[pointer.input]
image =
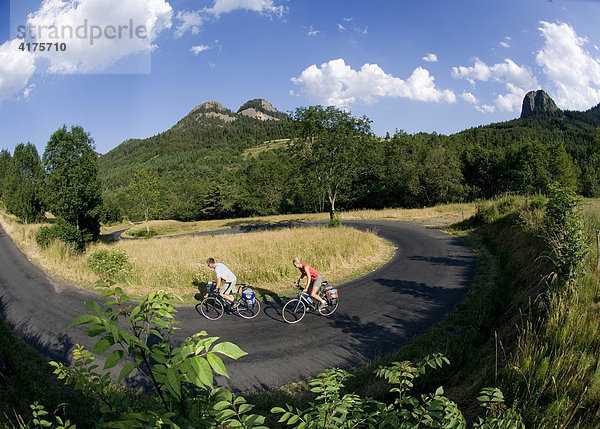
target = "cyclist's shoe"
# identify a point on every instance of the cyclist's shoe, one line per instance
(322, 305)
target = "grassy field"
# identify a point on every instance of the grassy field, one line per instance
(266, 146)
(261, 259)
(430, 216)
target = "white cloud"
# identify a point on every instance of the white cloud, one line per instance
(485, 108)
(505, 43)
(348, 19)
(16, 67)
(191, 21)
(265, 7)
(430, 58)
(364, 31)
(97, 33)
(469, 98)
(572, 71)
(27, 91)
(312, 32)
(517, 80)
(199, 48)
(336, 83)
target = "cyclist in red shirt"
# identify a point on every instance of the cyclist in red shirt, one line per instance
(313, 281)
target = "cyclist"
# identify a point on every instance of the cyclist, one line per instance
(225, 276)
(313, 281)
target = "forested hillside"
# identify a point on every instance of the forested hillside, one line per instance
(203, 171)
(193, 159)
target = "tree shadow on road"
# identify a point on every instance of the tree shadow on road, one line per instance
(59, 348)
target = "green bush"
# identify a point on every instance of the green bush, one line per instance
(110, 265)
(61, 230)
(507, 204)
(144, 234)
(564, 234)
(486, 213)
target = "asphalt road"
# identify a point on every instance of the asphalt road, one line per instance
(428, 275)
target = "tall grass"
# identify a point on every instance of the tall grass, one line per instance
(555, 371)
(261, 259)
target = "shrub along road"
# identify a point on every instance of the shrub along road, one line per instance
(429, 273)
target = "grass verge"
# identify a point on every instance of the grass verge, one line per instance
(27, 377)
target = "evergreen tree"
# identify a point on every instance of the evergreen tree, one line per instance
(73, 188)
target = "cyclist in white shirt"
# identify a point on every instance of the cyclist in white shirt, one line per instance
(226, 280)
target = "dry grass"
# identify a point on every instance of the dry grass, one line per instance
(261, 259)
(438, 216)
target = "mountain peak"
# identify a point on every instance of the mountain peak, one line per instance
(209, 106)
(536, 102)
(213, 109)
(259, 108)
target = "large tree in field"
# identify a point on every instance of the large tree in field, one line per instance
(330, 142)
(24, 184)
(72, 186)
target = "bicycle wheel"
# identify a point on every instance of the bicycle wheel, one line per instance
(332, 305)
(293, 311)
(248, 312)
(211, 308)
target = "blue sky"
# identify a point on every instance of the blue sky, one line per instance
(412, 65)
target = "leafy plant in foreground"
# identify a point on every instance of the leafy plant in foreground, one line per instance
(331, 409)
(182, 377)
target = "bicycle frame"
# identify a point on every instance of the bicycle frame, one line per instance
(239, 305)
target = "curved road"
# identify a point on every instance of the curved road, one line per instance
(429, 273)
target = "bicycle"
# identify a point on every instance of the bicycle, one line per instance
(295, 309)
(244, 305)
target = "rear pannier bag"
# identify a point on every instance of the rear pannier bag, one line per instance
(331, 292)
(249, 297)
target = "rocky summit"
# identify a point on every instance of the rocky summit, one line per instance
(536, 102)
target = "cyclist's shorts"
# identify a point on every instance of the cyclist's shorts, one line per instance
(316, 283)
(227, 288)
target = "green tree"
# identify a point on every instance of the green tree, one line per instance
(441, 178)
(329, 141)
(73, 188)
(24, 184)
(267, 178)
(5, 165)
(143, 190)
